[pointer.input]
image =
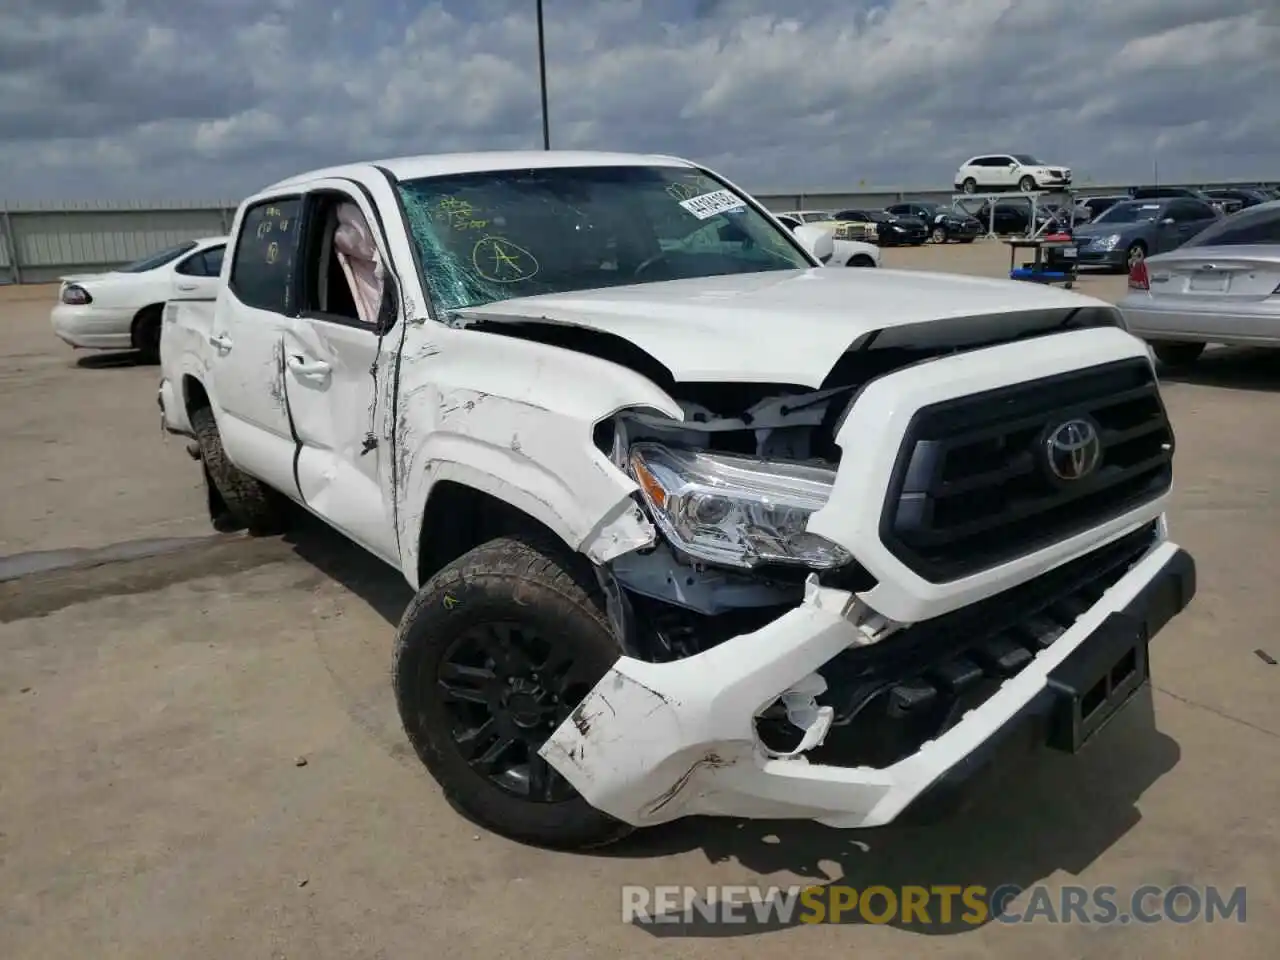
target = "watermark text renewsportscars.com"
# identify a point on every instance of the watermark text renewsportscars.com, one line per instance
(938, 904)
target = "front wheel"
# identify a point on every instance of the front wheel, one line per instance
(939, 235)
(860, 260)
(1027, 184)
(492, 655)
(970, 185)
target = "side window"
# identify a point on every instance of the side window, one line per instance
(341, 264)
(1184, 211)
(206, 263)
(192, 266)
(1202, 211)
(213, 261)
(263, 263)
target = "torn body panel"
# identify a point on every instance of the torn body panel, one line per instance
(844, 705)
(654, 742)
(515, 420)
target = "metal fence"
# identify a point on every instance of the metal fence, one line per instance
(39, 243)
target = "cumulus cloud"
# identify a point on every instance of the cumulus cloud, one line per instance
(155, 99)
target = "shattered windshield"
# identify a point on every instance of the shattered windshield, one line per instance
(484, 237)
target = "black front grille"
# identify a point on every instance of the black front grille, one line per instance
(912, 687)
(973, 486)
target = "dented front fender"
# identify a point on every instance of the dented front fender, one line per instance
(514, 419)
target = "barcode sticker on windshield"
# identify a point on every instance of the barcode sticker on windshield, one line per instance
(709, 204)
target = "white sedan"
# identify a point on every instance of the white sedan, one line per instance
(121, 309)
(846, 253)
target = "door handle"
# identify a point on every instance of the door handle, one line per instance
(315, 368)
(220, 340)
(186, 286)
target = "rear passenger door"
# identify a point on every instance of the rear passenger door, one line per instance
(246, 342)
(196, 276)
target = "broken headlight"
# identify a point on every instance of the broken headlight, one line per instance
(733, 510)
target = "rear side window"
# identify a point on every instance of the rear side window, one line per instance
(1250, 226)
(262, 267)
(1185, 211)
(206, 263)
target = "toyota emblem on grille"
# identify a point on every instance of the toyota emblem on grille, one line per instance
(1073, 449)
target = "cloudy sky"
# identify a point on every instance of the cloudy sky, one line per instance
(209, 99)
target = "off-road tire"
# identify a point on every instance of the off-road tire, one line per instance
(251, 503)
(145, 333)
(525, 579)
(1178, 355)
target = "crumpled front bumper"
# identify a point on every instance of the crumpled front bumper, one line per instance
(657, 741)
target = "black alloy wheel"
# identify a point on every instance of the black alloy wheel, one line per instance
(506, 689)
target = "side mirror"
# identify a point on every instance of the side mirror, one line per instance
(819, 241)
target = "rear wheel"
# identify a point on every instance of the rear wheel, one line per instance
(250, 503)
(970, 185)
(146, 333)
(492, 655)
(939, 235)
(1178, 354)
(860, 260)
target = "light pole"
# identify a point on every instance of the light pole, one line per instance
(542, 78)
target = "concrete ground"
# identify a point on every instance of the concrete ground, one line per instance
(199, 754)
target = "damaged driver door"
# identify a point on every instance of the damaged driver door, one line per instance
(337, 359)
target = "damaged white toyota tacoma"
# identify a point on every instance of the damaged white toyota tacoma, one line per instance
(697, 525)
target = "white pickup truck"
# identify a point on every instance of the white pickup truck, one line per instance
(696, 524)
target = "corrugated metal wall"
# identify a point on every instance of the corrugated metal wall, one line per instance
(51, 241)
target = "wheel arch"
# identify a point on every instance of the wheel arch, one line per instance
(459, 516)
(151, 309)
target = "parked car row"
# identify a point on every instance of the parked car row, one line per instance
(909, 223)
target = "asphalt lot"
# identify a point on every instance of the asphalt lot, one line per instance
(155, 714)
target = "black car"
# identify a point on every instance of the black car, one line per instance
(1013, 216)
(1247, 196)
(944, 222)
(891, 231)
(1184, 193)
(1093, 207)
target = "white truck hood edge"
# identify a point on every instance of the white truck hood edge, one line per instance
(777, 326)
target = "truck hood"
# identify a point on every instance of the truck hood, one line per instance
(780, 326)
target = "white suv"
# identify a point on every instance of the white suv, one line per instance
(1005, 171)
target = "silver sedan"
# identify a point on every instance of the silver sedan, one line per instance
(1221, 286)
